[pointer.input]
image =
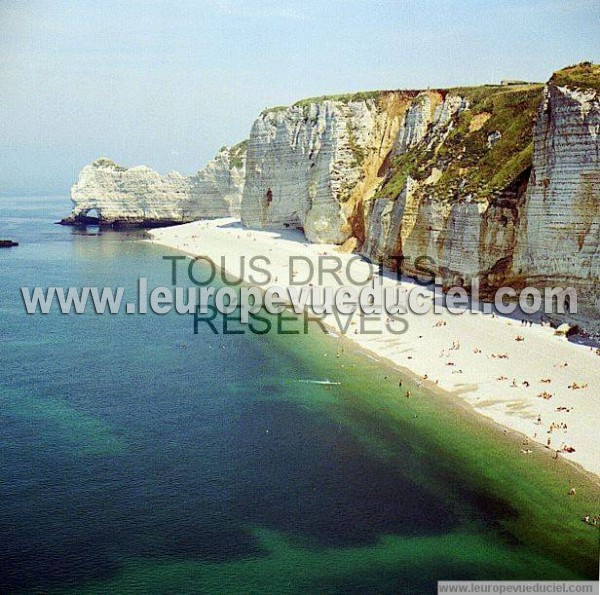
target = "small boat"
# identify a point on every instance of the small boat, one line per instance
(327, 382)
(8, 243)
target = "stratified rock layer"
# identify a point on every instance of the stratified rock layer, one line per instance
(558, 240)
(481, 195)
(114, 195)
(309, 164)
(499, 183)
(451, 192)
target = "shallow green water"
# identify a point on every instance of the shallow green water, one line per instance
(137, 457)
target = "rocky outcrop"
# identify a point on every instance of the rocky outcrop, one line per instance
(558, 239)
(111, 195)
(507, 189)
(309, 165)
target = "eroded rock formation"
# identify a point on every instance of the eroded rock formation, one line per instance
(309, 165)
(507, 189)
(496, 182)
(112, 195)
(559, 234)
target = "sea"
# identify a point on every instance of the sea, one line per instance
(139, 457)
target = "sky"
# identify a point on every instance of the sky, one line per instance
(167, 83)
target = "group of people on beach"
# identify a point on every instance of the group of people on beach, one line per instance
(555, 426)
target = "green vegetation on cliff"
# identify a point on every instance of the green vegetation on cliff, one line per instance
(344, 98)
(237, 154)
(108, 163)
(580, 76)
(483, 149)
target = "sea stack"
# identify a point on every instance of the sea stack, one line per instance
(110, 195)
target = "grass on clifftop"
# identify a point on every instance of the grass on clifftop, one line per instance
(108, 163)
(580, 76)
(344, 98)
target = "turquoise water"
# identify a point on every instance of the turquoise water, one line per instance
(138, 457)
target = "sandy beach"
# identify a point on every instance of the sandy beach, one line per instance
(523, 377)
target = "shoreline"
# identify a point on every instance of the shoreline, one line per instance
(453, 401)
(473, 374)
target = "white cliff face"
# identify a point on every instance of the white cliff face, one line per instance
(139, 195)
(383, 240)
(559, 236)
(428, 115)
(305, 163)
(459, 250)
(415, 124)
(461, 230)
(310, 166)
(131, 195)
(414, 226)
(541, 228)
(223, 179)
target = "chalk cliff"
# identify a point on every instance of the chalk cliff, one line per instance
(392, 169)
(558, 241)
(451, 191)
(507, 190)
(495, 182)
(116, 195)
(309, 165)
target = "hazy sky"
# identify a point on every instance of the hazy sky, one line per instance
(166, 83)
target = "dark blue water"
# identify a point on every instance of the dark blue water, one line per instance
(138, 457)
